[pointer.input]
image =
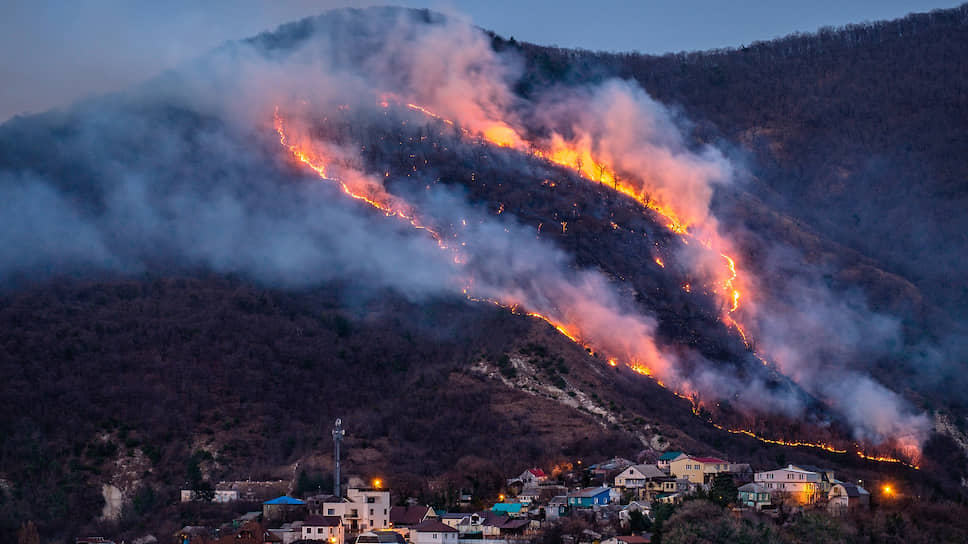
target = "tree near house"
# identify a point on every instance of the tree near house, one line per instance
(723, 491)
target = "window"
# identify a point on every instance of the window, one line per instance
(371, 511)
(329, 511)
(320, 530)
(371, 500)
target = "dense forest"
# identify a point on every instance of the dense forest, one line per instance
(151, 367)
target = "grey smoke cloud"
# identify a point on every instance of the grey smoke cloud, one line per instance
(187, 169)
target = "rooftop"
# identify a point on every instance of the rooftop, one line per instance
(285, 499)
(432, 526)
(323, 521)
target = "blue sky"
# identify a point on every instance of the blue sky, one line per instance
(57, 51)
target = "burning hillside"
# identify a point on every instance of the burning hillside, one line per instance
(566, 313)
(589, 207)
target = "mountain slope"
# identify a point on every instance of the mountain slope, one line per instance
(225, 259)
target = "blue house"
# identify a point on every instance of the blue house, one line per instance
(512, 509)
(588, 497)
(284, 508)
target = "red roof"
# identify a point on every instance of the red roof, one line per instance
(538, 472)
(432, 526)
(713, 460)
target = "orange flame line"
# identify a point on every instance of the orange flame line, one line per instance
(318, 165)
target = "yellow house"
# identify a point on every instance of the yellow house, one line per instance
(697, 470)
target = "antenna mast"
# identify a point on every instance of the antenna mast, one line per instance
(338, 433)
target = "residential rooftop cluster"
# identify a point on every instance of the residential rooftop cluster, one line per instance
(611, 495)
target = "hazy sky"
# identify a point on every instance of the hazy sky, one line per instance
(57, 51)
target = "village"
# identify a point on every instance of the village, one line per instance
(617, 499)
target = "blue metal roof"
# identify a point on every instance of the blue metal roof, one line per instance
(669, 455)
(509, 507)
(285, 499)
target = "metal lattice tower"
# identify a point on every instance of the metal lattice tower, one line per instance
(338, 434)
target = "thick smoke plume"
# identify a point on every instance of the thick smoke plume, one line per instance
(188, 169)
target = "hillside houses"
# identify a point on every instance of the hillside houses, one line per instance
(623, 493)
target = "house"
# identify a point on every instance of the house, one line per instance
(530, 494)
(801, 486)
(402, 518)
(637, 476)
(557, 507)
(634, 506)
(754, 495)
(363, 509)
(669, 498)
(827, 479)
(432, 531)
(326, 528)
(610, 466)
(698, 470)
(251, 532)
(511, 509)
(379, 537)
(589, 497)
(666, 458)
(453, 519)
(533, 476)
(252, 491)
(284, 508)
(374, 507)
(503, 526)
(844, 497)
(288, 532)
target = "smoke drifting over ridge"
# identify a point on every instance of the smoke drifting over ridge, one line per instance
(187, 169)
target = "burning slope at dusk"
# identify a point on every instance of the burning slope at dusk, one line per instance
(357, 111)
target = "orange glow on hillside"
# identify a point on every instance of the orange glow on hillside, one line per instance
(376, 196)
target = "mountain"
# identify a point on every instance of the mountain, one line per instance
(483, 255)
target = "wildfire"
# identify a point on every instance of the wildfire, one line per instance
(587, 167)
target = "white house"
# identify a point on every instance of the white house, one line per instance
(533, 476)
(802, 486)
(843, 497)
(326, 528)
(363, 509)
(432, 531)
(638, 475)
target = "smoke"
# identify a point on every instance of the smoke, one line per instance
(619, 125)
(187, 169)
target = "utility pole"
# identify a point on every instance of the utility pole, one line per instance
(338, 434)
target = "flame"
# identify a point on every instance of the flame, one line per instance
(377, 197)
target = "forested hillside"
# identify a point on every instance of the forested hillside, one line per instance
(203, 272)
(858, 132)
